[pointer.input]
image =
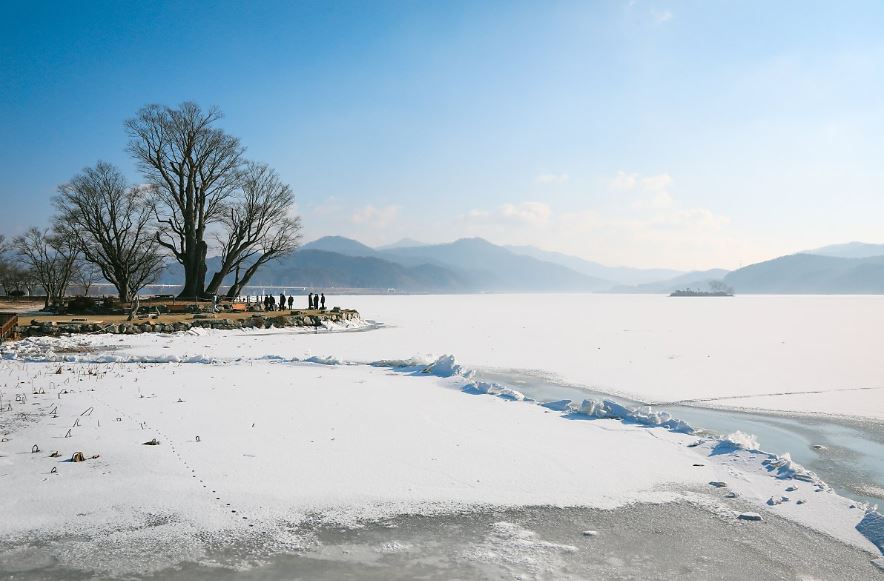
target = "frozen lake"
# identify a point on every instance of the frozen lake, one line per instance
(286, 451)
(810, 354)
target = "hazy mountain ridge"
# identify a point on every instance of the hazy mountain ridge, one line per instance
(476, 265)
(811, 274)
(623, 275)
(698, 279)
(849, 250)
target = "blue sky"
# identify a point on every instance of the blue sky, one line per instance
(676, 134)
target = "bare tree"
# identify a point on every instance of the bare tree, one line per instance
(15, 279)
(51, 256)
(112, 224)
(86, 274)
(257, 226)
(283, 240)
(194, 167)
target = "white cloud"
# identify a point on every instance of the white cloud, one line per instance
(624, 181)
(645, 226)
(655, 201)
(524, 213)
(653, 191)
(375, 217)
(551, 178)
(656, 183)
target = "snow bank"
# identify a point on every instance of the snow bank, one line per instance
(610, 409)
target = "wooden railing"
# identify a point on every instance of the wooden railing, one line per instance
(8, 322)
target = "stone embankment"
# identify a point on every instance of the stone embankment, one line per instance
(256, 321)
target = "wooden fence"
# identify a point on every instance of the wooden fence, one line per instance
(8, 322)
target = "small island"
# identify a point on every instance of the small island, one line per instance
(717, 288)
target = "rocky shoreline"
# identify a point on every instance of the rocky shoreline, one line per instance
(257, 321)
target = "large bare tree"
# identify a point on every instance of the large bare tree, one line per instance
(51, 256)
(258, 226)
(194, 167)
(112, 223)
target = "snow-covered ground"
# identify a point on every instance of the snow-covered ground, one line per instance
(265, 434)
(648, 347)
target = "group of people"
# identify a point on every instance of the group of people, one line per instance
(314, 301)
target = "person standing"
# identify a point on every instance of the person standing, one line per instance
(322, 301)
(281, 301)
(291, 301)
(310, 301)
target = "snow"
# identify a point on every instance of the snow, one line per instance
(650, 348)
(262, 430)
(744, 351)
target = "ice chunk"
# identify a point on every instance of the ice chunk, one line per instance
(742, 440)
(749, 516)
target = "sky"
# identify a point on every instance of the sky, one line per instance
(674, 134)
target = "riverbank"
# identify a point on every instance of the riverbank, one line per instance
(55, 325)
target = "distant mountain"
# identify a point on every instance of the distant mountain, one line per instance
(468, 265)
(698, 279)
(404, 243)
(849, 250)
(811, 274)
(318, 268)
(616, 274)
(476, 265)
(341, 245)
(495, 268)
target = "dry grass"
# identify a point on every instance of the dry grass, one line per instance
(168, 318)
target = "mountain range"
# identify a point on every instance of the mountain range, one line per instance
(476, 265)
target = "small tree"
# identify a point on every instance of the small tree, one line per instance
(112, 224)
(51, 256)
(86, 274)
(257, 226)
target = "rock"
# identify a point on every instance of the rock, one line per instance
(775, 501)
(590, 533)
(731, 494)
(819, 447)
(753, 516)
(791, 488)
(717, 484)
(802, 501)
(879, 563)
(153, 442)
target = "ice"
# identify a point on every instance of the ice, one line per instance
(744, 441)
(512, 546)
